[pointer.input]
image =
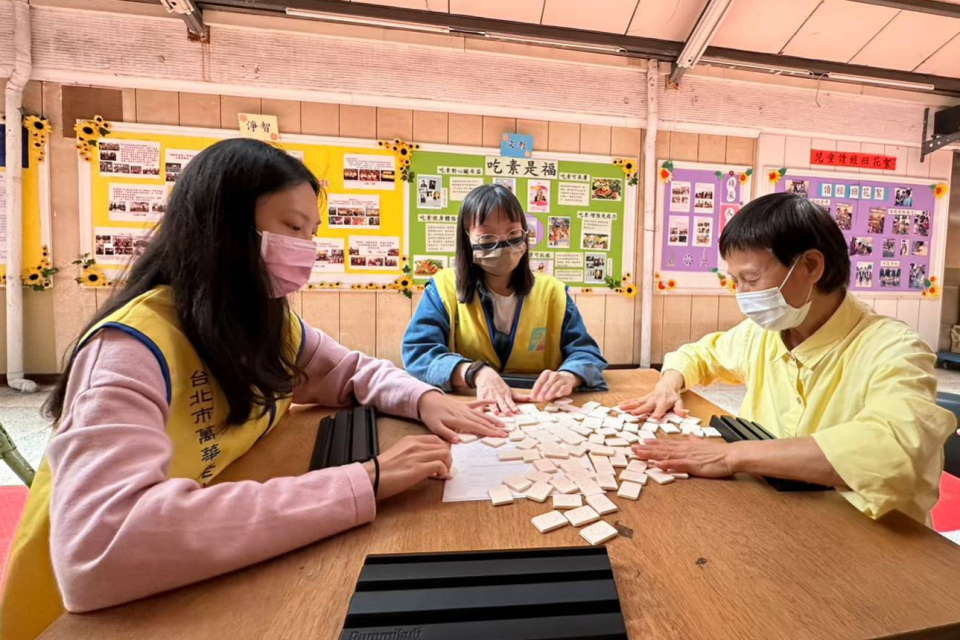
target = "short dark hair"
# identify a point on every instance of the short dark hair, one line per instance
(478, 205)
(787, 225)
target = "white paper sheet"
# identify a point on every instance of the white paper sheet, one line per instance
(478, 468)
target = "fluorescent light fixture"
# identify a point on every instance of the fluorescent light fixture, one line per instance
(360, 21)
(883, 82)
(703, 33)
(548, 42)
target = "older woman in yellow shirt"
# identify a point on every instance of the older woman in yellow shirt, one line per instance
(850, 394)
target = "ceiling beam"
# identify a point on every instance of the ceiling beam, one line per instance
(535, 34)
(932, 7)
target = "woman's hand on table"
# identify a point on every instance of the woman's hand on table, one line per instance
(696, 456)
(664, 398)
(492, 388)
(445, 416)
(554, 384)
(410, 461)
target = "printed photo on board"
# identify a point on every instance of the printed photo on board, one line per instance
(703, 197)
(679, 196)
(921, 224)
(889, 247)
(799, 187)
(607, 189)
(678, 232)
(904, 247)
(596, 268)
(889, 274)
(875, 222)
(919, 248)
(903, 197)
(918, 273)
(861, 246)
(509, 183)
(428, 266)
(558, 236)
(703, 231)
(844, 216)
(864, 274)
(901, 224)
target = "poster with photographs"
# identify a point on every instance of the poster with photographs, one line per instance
(889, 275)
(330, 258)
(118, 246)
(606, 189)
(844, 216)
(137, 203)
(369, 172)
(129, 158)
(595, 234)
(864, 274)
(558, 233)
(374, 253)
(595, 268)
(460, 186)
(573, 194)
(679, 196)
(430, 192)
(702, 231)
(538, 196)
(678, 231)
(175, 161)
(425, 267)
(353, 211)
(886, 226)
(541, 262)
(703, 197)
(441, 238)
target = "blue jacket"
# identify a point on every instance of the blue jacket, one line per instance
(426, 356)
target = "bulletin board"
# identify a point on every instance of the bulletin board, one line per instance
(695, 201)
(36, 207)
(580, 210)
(893, 226)
(124, 190)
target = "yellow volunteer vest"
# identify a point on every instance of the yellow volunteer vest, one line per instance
(536, 335)
(201, 449)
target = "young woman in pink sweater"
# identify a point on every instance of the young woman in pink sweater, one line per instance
(179, 374)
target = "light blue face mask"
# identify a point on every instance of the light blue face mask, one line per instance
(770, 310)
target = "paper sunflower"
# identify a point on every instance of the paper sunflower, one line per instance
(37, 126)
(775, 175)
(630, 291)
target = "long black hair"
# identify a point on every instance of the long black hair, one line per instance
(208, 251)
(478, 205)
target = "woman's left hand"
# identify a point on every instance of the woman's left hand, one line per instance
(554, 384)
(445, 416)
(696, 456)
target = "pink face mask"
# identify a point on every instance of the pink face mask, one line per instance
(289, 262)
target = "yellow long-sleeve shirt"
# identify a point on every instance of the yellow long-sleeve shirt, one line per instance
(863, 386)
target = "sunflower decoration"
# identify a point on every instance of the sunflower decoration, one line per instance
(930, 288)
(404, 152)
(629, 167)
(90, 273)
(404, 285)
(666, 171)
(630, 290)
(939, 190)
(586, 290)
(665, 285)
(89, 133)
(745, 176)
(774, 176)
(40, 130)
(724, 280)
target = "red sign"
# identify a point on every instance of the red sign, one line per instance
(876, 161)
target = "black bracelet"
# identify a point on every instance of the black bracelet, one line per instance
(376, 477)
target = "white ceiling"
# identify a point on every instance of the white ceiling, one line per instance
(835, 30)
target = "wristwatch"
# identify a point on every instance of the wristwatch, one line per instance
(470, 376)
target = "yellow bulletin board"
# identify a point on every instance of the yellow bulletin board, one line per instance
(36, 213)
(124, 186)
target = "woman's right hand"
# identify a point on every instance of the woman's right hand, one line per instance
(411, 460)
(490, 386)
(664, 398)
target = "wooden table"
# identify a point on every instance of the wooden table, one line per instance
(709, 559)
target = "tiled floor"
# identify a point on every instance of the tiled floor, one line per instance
(20, 416)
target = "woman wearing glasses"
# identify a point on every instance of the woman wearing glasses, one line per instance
(490, 314)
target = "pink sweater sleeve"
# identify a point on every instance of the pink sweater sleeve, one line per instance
(121, 529)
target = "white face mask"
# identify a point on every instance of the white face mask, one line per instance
(770, 310)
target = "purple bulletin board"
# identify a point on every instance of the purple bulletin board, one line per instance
(888, 227)
(697, 203)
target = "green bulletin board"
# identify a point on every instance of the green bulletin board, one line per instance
(575, 212)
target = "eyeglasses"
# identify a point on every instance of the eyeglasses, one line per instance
(491, 241)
